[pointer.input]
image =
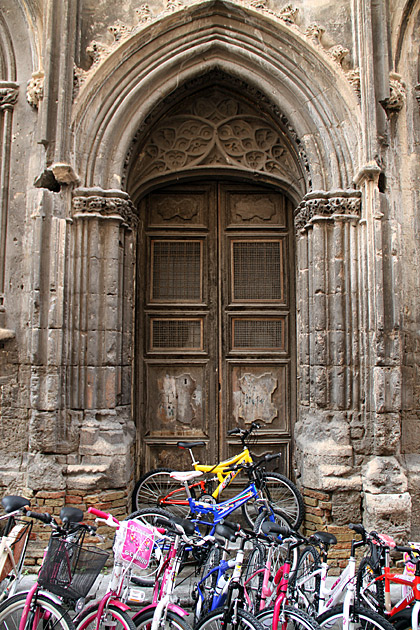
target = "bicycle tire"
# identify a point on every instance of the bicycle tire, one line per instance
(294, 619)
(120, 620)
(283, 495)
(213, 621)
(143, 619)
(369, 593)
(305, 590)
(279, 555)
(253, 581)
(152, 488)
(361, 619)
(147, 577)
(203, 604)
(55, 617)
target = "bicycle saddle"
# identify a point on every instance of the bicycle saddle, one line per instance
(185, 476)
(190, 444)
(324, 538)
(71, 515)
(12, 503)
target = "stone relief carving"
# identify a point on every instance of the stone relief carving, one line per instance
(35, 89)
(253, 401)
(184, 208)
(327, 204)
(219, 77)
(395, 102)
(178, 398)
(216, 129)
(8, 95)
(353, 77)
(261, 208)
(144, 14)
(314, 33)
(105, 203)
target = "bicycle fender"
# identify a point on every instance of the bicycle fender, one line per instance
(119, 604)
(171, 606)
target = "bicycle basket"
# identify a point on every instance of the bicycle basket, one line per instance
(134, 543)
(69, 570)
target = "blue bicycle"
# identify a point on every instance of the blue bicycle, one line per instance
(207, 515)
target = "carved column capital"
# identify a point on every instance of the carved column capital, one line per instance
(8, 95)
(321, 204)
(107, 204)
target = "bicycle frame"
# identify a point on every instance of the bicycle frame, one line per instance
(413, 592)
(219, 511)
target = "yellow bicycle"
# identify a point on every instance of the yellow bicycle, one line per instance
(158, 488)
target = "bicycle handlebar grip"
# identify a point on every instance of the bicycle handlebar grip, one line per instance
(358, 528)
(409, 550)
(44, 516)
(271, 456)
(233, 431)
(98, 513)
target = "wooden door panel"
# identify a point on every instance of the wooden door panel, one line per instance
(217, 329)
(179, 388)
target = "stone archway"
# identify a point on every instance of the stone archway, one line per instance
(223, 143)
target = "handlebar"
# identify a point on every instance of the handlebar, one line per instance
(250, 467)
(44, 517)
(244, 433)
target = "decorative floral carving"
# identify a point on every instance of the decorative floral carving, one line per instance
(8, 95)
(353, 77)
(327, 204)
(314, 32)
(105, 203)
(119, 31)
(395, 102)
(288, 13)
(417, 93)
(338, 53)
(144, 14)
(173, 5)
(98, 51)
(216, 129)
(35, 89)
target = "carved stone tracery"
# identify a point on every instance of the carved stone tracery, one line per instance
(216, 128)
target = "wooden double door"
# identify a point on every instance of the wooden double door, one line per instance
(216, 332)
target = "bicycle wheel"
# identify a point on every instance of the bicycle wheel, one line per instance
(254, 576)
(215, 619)
(280, 550)
(369, 593)
(157, 489)
(112, 617)
(143, 619)
(283, 495)
(304, 586)
(44, 614)
(290, 619)
(203, 601)
(147, 576)
(360, 619)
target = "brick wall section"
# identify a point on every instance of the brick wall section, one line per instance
(115, 501)
(318, 507)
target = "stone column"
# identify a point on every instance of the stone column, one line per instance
(8, 97)
(100, 320)
(328, 355)
(386, 501)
